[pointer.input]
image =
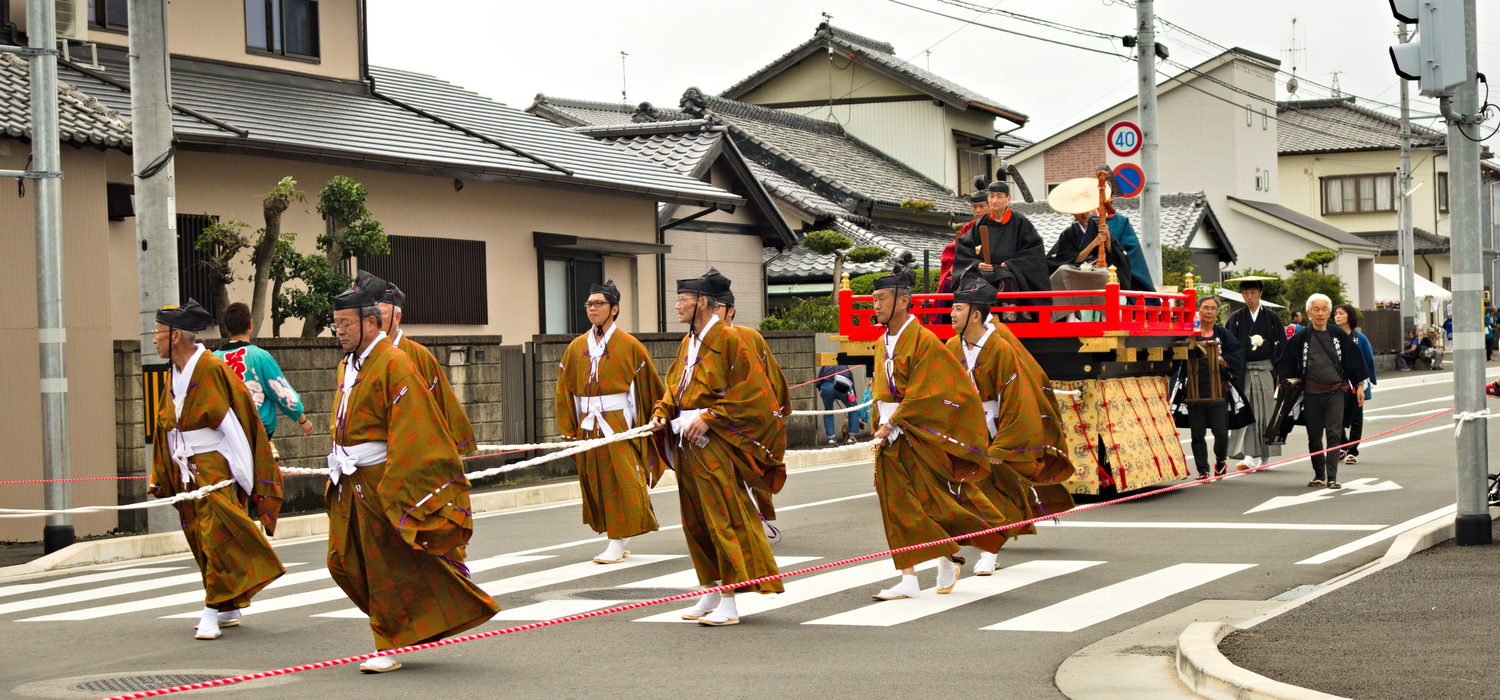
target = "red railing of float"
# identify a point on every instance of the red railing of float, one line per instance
(1122, 313)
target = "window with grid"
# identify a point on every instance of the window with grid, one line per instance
(1359, 194)
(971, 163)
(282, 27)
(1442, 192)
(444, 278)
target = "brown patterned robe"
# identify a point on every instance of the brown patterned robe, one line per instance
(614, 478)
(235, 558)
(397, 530)
(720, 520)
(1049, 493)
(926, 478)
(442, 392)
(766, 361)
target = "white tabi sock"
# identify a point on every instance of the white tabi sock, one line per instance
(707, 604)
(908, 587)
(947, 573)
(208, 624)
(724, 612)
(380, 663)
(613, 552)
(986, 563)
(228, 616)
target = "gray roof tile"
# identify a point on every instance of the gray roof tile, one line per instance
(1424, 242)
(682, 146)
(882, 56)
(822, 151)
(81, 118)
(569, 112)
(1338, 124)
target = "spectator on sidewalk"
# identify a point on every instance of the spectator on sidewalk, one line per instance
(836, 386)
(1491, 332)
(260, 373)
(1298, 321)
(1448, 329)
(1432, 350)
(1347, 319)
(1324, 359)
(1409, 351)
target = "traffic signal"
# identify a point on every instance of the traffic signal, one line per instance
(1436, 57)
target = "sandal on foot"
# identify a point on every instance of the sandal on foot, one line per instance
(1317, 483)
(1335, 485)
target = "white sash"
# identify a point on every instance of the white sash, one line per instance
(991, 416)
(228, 439)
(888, 409)
(593, 408)
(344, 459)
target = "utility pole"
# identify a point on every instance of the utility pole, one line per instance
(1145, 51)
(1462, 113)
(1404, 240)
(41, 51)
(155, 195)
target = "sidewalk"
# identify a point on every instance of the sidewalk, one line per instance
(1425, 627)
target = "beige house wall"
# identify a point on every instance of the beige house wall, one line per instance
(215, 30)
(813, 80)
(738, 256)
(1301, 177)
(504, 216)
(86, 288)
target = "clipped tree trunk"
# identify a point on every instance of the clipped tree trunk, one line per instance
(260, 259)
(838, 275)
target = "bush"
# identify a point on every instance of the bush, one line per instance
(1305, 283)
(816, 314)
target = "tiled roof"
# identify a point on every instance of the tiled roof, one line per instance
(569, 112)
(1182, 214)
(1424, 242)
(81, 119)
(1304, 221)
(822, 150)
(683, 146)
(1013, 144)
(799, 196)
(1338, 124)
(881, 56)
(410, 121)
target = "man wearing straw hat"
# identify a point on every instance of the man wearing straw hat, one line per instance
(208, 431)
(1260, 333)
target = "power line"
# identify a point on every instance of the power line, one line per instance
(1009, 31)
(1033, 20)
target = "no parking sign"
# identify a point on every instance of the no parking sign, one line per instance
(1130, 180)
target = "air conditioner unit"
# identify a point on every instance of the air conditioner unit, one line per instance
(72, 19)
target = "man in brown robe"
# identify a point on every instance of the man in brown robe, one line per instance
(398, 502)
(1020, 416)
(929, 448)
(208, 431)
(607, 384)
(719, 406)
(391, 310)
(771, 368)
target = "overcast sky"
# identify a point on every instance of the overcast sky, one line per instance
(511, 50)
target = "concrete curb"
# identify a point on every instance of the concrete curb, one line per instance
(1208, 673)
(132, 547)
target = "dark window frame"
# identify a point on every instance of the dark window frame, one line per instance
(275, 38)
(99, 16)
(1442, 192)
(192, 276)
(965, 175)
(1360, 180)
(577, 320)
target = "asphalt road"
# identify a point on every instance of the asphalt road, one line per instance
(1096, 574)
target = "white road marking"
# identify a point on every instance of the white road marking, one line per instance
(25, 588)
(801, 590)
(1117, 599)
(968, 590)
(1381, 536)
(546, 577)
(122, 589)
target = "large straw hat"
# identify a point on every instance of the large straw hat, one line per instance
(1077, 196)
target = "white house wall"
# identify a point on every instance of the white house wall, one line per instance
(737, 256)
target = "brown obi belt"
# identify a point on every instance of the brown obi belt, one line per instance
(1315, 386)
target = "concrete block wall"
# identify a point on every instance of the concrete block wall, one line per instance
(793, 349)
(310, 365)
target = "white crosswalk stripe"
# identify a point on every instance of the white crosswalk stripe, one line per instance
(1117, 599)
(303, 592)
(969, 589)
(688, 578)
(545, 577)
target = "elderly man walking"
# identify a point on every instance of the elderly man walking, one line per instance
(1325, 360)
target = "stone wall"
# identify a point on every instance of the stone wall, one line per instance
(793, 349)
(472, 363)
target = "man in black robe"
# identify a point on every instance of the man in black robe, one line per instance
(1079, 244)
(1260, 333)
(1011, 258)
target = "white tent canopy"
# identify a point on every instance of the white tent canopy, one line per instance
(1388, 287)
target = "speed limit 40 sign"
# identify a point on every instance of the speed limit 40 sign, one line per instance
(1124, 139)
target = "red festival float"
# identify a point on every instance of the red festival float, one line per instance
(1108, 353)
